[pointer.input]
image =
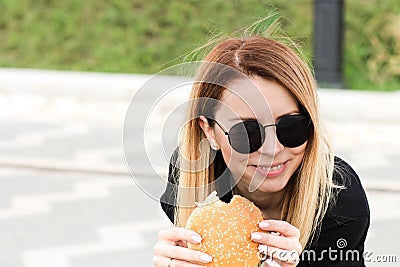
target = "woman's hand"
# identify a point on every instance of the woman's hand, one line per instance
(171, 249)
(281, 243)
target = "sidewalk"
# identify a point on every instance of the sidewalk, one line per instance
(66, 191)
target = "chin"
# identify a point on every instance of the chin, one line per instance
(273, 187)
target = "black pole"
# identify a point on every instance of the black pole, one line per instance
(328, 39)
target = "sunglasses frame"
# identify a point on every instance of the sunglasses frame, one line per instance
(227, 133)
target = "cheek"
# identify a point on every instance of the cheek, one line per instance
(235, 161)
(298, 150)
(297, 154)
(231, 157)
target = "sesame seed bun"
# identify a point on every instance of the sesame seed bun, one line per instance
(226, 230)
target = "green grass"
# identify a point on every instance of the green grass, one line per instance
(137, 36)
(372, 45)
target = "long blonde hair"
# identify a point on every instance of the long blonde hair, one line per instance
(310, 188)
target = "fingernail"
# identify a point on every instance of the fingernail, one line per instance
(196, 239)
(205, 258)
(256, 236)
(263, 224)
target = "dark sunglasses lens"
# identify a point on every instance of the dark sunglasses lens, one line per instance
(294, 130)
(246, 137)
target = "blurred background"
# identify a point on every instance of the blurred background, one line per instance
(140, 37)
(68, 72)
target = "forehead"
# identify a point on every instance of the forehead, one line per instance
(257, 98)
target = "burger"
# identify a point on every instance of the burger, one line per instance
(226, 229)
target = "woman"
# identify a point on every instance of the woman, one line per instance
(255, 103)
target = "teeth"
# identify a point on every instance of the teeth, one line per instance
(277, 167)
(273, 168)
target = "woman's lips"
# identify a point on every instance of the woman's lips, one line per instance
(271, 171)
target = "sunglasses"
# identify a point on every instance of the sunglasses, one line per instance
(248, 136)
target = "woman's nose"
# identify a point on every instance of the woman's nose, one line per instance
(271, 145)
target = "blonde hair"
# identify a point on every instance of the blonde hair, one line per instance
(310, 189)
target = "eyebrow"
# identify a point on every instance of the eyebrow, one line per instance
(254, 119)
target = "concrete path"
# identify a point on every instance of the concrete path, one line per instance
(67, 198)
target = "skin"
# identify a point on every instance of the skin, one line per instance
(268, 101)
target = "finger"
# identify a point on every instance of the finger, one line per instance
(159, 261)
(271, 263)
(163, 262)
(178, 233)
(181, 243)
(282, 242)
(282, 227)
(180, 263)
(181, 253)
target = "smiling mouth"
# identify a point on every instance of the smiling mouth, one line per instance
(275, 168)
